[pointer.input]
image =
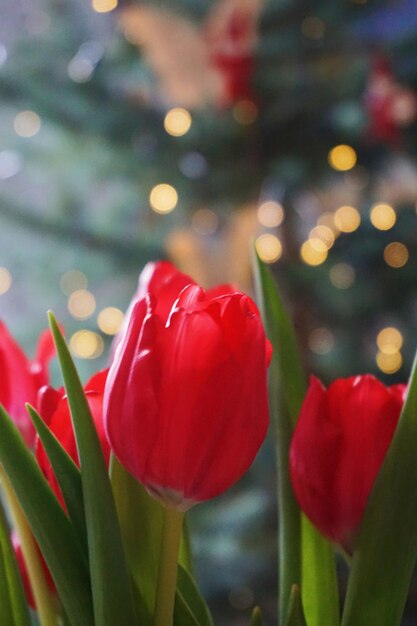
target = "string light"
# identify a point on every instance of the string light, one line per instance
(396, 254)
(389, 340)
(383, 216)
(327, 219)
(73, 280)
(270, 214)
(177, 122)
(323, 234)
(81, 304)
(342, 158)
(321, 341)
(86, 344)
(5, 280)
(342, 275)
(347, 219)
(27, 124)
(268, 247)
(104, 6)
(389, 363)
(311, 256)
(163, 198)
(110, 320)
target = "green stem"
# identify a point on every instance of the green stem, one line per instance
(43, 601)
(168, 567)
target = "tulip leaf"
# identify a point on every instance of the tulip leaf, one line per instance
(10, 581)
(256, 619)
(66, 472)
(386, 549)
(110, 581)
(305, 558)
(189, 598)
(51, 528)
(295, 615)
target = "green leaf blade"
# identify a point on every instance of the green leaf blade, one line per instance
(110, 580)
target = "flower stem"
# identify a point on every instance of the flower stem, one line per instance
(168, 567)
(41, 594)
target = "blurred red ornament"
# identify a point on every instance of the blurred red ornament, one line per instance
(390, 105)
(21, 378)
(339, 444)
(57, 416)
(185, 404)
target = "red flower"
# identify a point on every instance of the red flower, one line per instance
(20, 378)
(57, 416)
(339, 444)
(185, 404)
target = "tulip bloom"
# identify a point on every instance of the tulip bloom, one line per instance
(20, 378)
(57, 415)
(339, 444)
(185, 404)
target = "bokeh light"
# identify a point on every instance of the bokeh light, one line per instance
(268, 247)
(396, 254)
(270, 214)
(86, 344)
(342, 158)
(323, 234)
(27, 124)
(81, 304)
(389, 363)
(347, 219)
(73, 280)
(5, 280)
(104, 6)
(163, 198)
(383, 216)
(110, 320)
(313, 27)
(245, 112)
(177, 122)
(321, 341)
(389, 340)
(205, 221)
(327, 219)
(310, 255)
(342, 275)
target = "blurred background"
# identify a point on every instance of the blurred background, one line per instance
(132, 131)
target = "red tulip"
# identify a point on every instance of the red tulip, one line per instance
(339, 444)
(58, 418)
(185, 404)
(20, 378)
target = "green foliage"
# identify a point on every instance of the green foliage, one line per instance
(190, 607)
(295, 616)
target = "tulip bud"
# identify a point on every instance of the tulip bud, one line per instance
(339, 444)
(185, 404)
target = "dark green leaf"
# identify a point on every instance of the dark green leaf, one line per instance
(110, 581)
(256, 619)
(66, 473)
(188, 592)
(295, 615)
(386, 551)
(305, 558)
(52, 529)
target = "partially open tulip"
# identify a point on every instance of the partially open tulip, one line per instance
(339, 444)
(57, 415)
(185, 403)
(21, 378)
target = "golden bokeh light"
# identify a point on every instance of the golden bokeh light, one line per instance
(245, 112)
(389, 363)
(104, 6)
(396, 254)
(86, 344)
(327, 219)
(27, 124)
(342, 275)
(177, 122)
(205, 221)
(342, 158)
(311, 255)
(268, 247)
(322, 233)
(321, 341)
(389, 340)
(73, 280)
(163, 198)
(5, 280)
(347, 219)
(383, 216)
(81, 304)
(110, 320)
(270, 214)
